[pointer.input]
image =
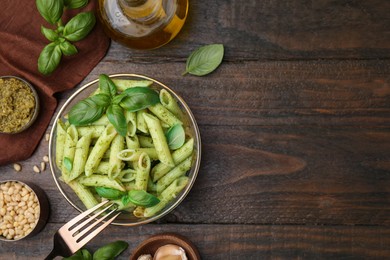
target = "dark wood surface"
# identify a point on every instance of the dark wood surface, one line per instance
(295, 128)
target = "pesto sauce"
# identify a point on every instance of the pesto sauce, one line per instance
(17, 104)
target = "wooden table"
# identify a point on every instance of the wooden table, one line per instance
(295, 128)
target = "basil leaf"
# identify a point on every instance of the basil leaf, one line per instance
(109, 193)
(50, 10)
(142, 198)
(79, 26)
(110, 251)
(117, 119)
(139, 98)
(68, 163)
(74, 4)
(82, 254)
(50, 34)
(101, 99)
(125, 200)
(176, 137)
(49, 58)
(106, 85)
(204, 60)
(85, 112)
(118, 98)
(67, 48)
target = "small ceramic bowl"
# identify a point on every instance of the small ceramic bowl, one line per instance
(150, 246)
(36, 109)
(8, 208)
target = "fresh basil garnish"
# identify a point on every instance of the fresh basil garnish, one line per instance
(109, 193)
(107, 86)
(204, 60)
(50, 10)
(68, 163)
(117, 118)
(67, 48)
(92, 108)
(79, 26)
(85, 112)
(175, 137)
(101, 99)
(74, 4)
(141, 198)
(50, 34)
(49, 58)
(138, 98)
(110, 251)
(76, 29)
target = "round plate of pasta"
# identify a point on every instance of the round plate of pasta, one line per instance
(129, 139)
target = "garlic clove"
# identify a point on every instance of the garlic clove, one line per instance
(170, 252)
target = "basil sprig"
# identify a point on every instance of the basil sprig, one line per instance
(61, 37)
(106, 252)
(109, 193)
(140, 198)
(113, 104)
(204, 60)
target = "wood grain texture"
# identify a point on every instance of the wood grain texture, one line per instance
(234, 241)
(279, 30)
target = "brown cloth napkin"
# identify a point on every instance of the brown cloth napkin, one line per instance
(20, 45)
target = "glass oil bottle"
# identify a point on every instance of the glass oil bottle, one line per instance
(142, 24)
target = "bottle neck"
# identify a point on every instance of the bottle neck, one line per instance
(143, 11)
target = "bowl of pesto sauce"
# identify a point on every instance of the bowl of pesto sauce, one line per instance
(19, 105)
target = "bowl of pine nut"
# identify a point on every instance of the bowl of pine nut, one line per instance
(24, 210)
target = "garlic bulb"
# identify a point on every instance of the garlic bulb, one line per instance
(170, 252)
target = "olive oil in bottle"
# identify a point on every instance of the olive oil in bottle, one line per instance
(142, 24)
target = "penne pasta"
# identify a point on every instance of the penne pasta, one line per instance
(84, 194)
(145, 141)
(131, 119)
(102, 144)
(170, 103)
(159, 140)
(178, 156)
(175, 173)
(101, 181)
(123, 84)
(94, 130)
(69, 151)
(167, 195)
(60, 143)
(143, 169)
(164, 115)
(115, 163)
(80, 156)
(141, 124)
(134, 154)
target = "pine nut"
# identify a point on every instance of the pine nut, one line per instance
(36, 169)
(17, 167)
(46, 158)
(43, 166)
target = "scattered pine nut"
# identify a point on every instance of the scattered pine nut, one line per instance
(43, 166)
(47, 136)
(46, 158)
(17, 167)
(36, 169)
